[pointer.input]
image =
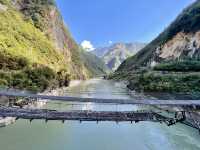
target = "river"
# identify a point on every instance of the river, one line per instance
(54, 135)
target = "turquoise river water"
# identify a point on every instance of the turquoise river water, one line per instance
(54, 135)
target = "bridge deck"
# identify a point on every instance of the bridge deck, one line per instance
(105, 101)
(81, 115)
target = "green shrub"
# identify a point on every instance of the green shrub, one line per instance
(166, 83)
(63, 77)
(179, 66)
(7, 76)
(37, 11)
(37, 79)
(44, 71)
(8, 62)
(41, 77)
(5, 2)
(3, 82)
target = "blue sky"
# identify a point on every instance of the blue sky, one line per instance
(101, 21)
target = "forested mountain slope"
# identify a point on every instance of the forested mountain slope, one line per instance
(36, 49)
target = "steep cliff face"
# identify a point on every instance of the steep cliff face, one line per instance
(181, 39)
(45, 16)
(180, 46)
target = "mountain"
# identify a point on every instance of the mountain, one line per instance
(115, 54)
(36, 49)
(101, 51)
(180, 40)
(96, 66)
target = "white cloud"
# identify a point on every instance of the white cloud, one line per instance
(110, 42)
(87, 45)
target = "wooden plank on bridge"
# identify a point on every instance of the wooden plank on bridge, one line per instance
(32, 114)
(104, 101)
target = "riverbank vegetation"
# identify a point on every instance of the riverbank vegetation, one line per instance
(180, 76)
(157, 82)
(18, 73)
(179, 66)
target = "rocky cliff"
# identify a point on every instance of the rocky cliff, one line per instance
(46, 17)
(180, 40)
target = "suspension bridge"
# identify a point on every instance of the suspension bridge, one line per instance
(126, 116)
(173, 103)
(117, 116)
